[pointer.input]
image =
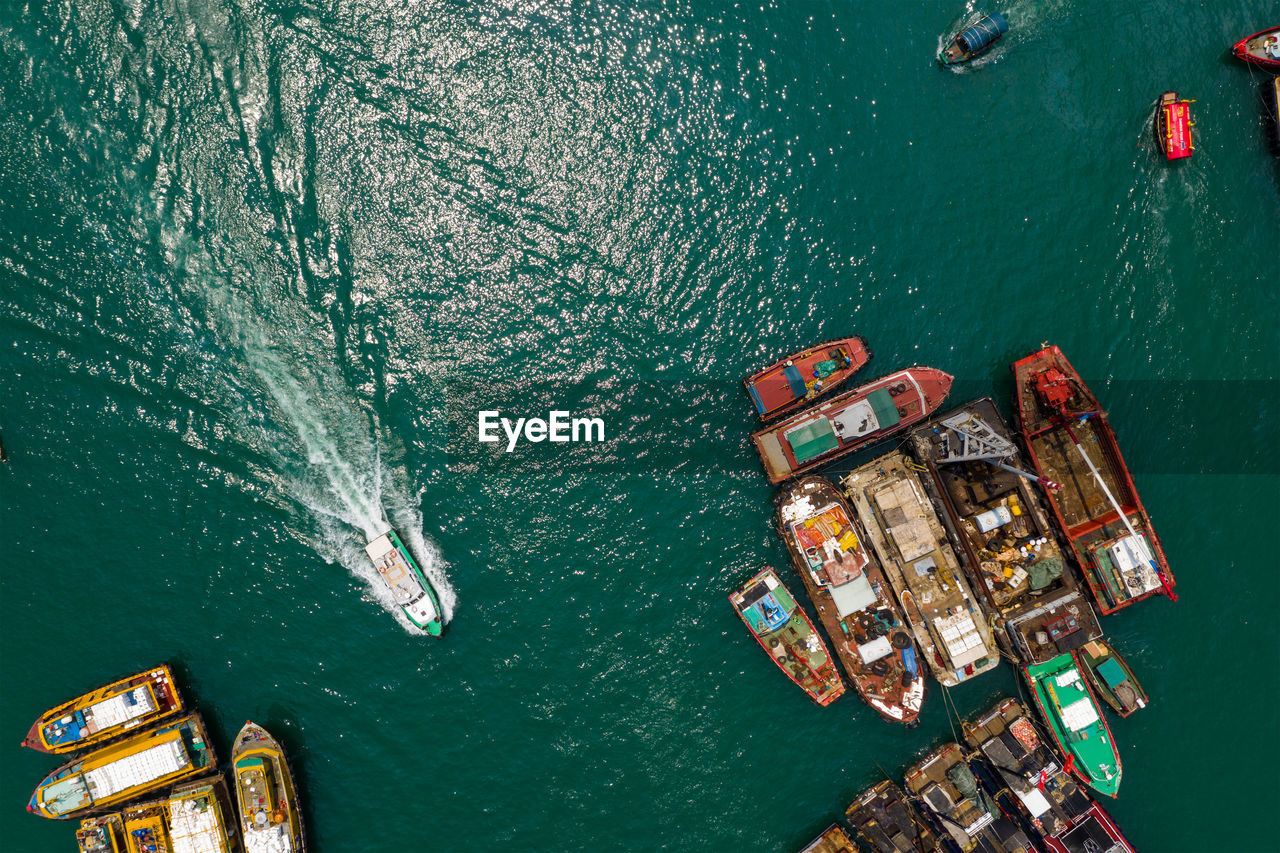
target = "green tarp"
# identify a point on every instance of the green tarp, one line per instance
(1112, 673)
(811, 440)
(885, 409)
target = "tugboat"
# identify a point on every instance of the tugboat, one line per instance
(269, 813)
(1071, 443)
(803, 377)
(101, 835)
(992, 503)
(782, 629)
(105, 713)
(1173, 127)
(885, 820)
(945, 785)
(1111, 677)
(1029, 773)
(834, 840)
(850, 421)
(1260, 48)
(1069, 709)
(947, 621)
(118, 773)
(412, 590)
(834, 562)
(975, 40)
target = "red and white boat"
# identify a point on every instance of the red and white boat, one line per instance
(1260, 48)
(1173, 127)
(850, 421)
(806, 376)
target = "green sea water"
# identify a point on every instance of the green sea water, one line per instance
(262, 263)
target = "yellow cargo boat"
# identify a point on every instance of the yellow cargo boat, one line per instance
(121, 772)
(196, 817)
(101, 835)
(269, 814)
(96, 717)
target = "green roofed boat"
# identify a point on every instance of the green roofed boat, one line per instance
(1111, 677)
(1072, 714)
(783, 630)
(402, 575)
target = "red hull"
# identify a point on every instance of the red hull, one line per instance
(772, 394)
(1034, 422)
(1173, 127)
(1093, 823)
(1241, 49)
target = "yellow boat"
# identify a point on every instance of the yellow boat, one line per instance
(269, 813)
(96, 717)
(196, 817)
(101, 835)
(119, 773)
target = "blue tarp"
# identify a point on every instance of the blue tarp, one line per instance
(984, 32)
(795, 380)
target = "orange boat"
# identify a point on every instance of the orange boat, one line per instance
(806, 376)
(106, 713)
(850, 421)
(1071, 443)
(1173, 127)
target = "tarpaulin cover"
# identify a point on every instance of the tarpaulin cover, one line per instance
(795, 380)
(984, 32)
(811, 440)
(886, 410)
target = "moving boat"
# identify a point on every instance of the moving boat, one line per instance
(1049, 801)
(782, 629)
(120, 772)
(1071, 443)
(947, 788)
(833, 840)
(1068, 708)
(106, 713)
(975, 40)
(799, 379)
(885, 820)
(1260, 48)
(993, 506)
(850, 421)
(103, 834)
(269, 813)
(945, 617)
(1173, 126)
(831, 555)
(1111, 677)
(403, 576)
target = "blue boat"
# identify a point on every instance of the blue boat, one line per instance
(975, 39)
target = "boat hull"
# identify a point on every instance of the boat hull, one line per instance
(774, 390)
(265, 794)
(1071, 713)
(1257, 48)
(121, 701)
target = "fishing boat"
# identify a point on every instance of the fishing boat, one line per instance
(1173, 127)
(103, 834)
(833, 840)
(1071, 712)
(948, 623)
(975, 39)
(834, 561)
(992, 505)
(105, 713)
(269, 813)
(118, 773)
(806, 376)
(1111, 677)
(1030, 776)
(885, 820)
(1097, 507)
(410, 587)
(947, 789)
(1261, 48)
(850, 421)
(782, 629)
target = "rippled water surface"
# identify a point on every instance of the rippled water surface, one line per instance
(262, 264)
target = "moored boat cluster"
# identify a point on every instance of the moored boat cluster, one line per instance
(955, 549)
(144, 777)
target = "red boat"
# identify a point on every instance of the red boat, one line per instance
(1071, 443)
(850, 421)
(801, 378)
(1260, 48)
(1173, 127)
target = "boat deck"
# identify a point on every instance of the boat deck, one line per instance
(806, 376)
(834, 840)
(932, 782)
(888, 822)
(1051, 625)
(101, 835)
(1074, 715)
(1081, 500)
(922, 568)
